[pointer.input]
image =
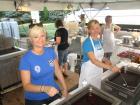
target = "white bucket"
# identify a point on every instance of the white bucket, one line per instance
(72, 60)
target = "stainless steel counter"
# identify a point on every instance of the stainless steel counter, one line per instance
(128, 45)
(9, 76)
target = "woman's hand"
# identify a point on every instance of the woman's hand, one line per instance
(51, 91)
(108, 62)
(64, 93)
(115, 69)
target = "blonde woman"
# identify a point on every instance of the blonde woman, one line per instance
(93, 53)
(37, 68)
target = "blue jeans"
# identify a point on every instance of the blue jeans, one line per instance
(62, 56)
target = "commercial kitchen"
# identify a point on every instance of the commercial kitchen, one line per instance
(117, 88)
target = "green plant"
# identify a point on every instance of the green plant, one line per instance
(46, 14)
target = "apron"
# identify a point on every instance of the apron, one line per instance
(89, 71)
(108, 40)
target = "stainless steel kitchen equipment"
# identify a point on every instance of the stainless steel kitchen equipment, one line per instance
(9, 75)
(129, 93)
(136, 44)
(90, 95)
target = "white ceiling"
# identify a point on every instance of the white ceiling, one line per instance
(77, 1)
(8, 5)
(88, 1)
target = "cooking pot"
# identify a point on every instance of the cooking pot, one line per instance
(136, 44)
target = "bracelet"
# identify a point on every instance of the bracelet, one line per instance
(41, 88)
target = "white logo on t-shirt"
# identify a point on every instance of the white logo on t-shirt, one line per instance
(98, 47)
(37, 69)
(51, 63)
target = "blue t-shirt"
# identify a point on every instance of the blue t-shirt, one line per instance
(87, 47)
(41, 68)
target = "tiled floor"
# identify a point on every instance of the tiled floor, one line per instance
(16, 97)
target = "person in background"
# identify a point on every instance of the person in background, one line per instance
(37, 69)
(107, 35)
(83, 21)
(92, 67)
(82, 26)
(61, 39)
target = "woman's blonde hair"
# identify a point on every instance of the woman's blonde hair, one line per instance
(35, 30)
(91, 22)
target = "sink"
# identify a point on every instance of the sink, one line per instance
(11, 52)
(90, 95)
(124, 85)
